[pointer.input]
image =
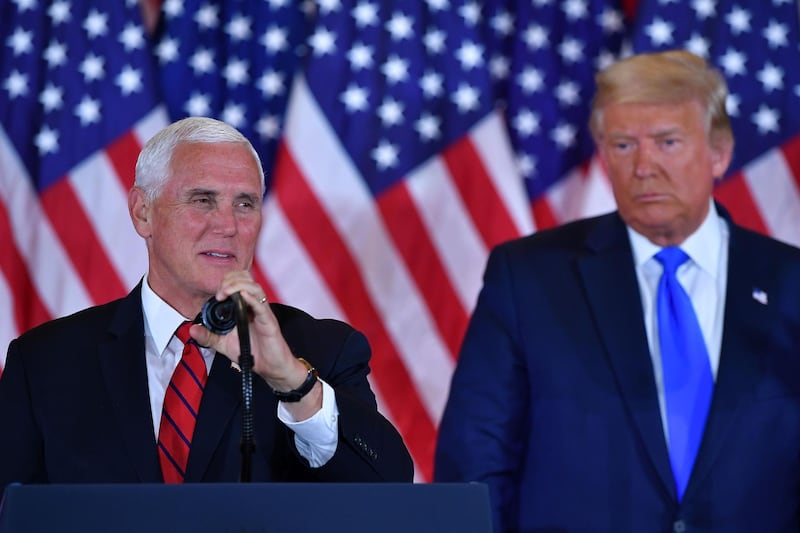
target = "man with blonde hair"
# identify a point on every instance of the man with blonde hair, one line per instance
(637, 371)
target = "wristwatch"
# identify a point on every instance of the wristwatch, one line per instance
(297, 394)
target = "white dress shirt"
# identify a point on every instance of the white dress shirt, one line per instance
(703, 276)
(316, 438)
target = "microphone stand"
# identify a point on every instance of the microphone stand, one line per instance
(247, 444)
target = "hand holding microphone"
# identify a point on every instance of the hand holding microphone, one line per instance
(273, 360)
(218, 316)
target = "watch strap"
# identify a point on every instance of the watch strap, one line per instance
(297, 394)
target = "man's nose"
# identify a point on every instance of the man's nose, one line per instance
(224, 220)
(644, 162)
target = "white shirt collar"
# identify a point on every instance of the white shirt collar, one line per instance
(161, 320)
(702, 246)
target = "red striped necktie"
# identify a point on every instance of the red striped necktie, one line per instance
(181, 403)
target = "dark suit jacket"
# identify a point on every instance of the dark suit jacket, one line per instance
(554, 404)
(74, 407)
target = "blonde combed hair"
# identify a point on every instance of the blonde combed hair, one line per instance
(673, 76)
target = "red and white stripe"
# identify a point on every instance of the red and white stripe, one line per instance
(405, 268)
(765, 195)
(73, 245)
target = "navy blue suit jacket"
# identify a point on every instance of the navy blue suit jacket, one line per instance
(554, 405)
(74, 407)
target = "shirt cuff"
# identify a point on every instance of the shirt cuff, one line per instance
(316, 438)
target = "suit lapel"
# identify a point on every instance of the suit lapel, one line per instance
(609, 279)
(124, 370)
(122, 363)
(740, 367)
(221, 399)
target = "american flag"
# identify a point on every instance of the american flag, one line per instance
(402, 140)
(77, 99)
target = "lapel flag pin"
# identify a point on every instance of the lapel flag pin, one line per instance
(760, 296)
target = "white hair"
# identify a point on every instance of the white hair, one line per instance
(153, 165)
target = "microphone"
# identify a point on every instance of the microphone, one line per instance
(221, 317)
(218, 317)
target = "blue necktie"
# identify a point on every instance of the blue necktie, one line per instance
(688, 382)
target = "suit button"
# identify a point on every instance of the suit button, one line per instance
(679, 526)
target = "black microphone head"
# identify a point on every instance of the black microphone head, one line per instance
(218, 317)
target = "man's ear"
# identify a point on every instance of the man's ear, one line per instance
(139, 210)
(721, 154)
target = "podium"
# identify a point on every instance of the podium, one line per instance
(248, 508)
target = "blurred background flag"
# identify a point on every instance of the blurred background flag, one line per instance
(77, 99)
(401, 140)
